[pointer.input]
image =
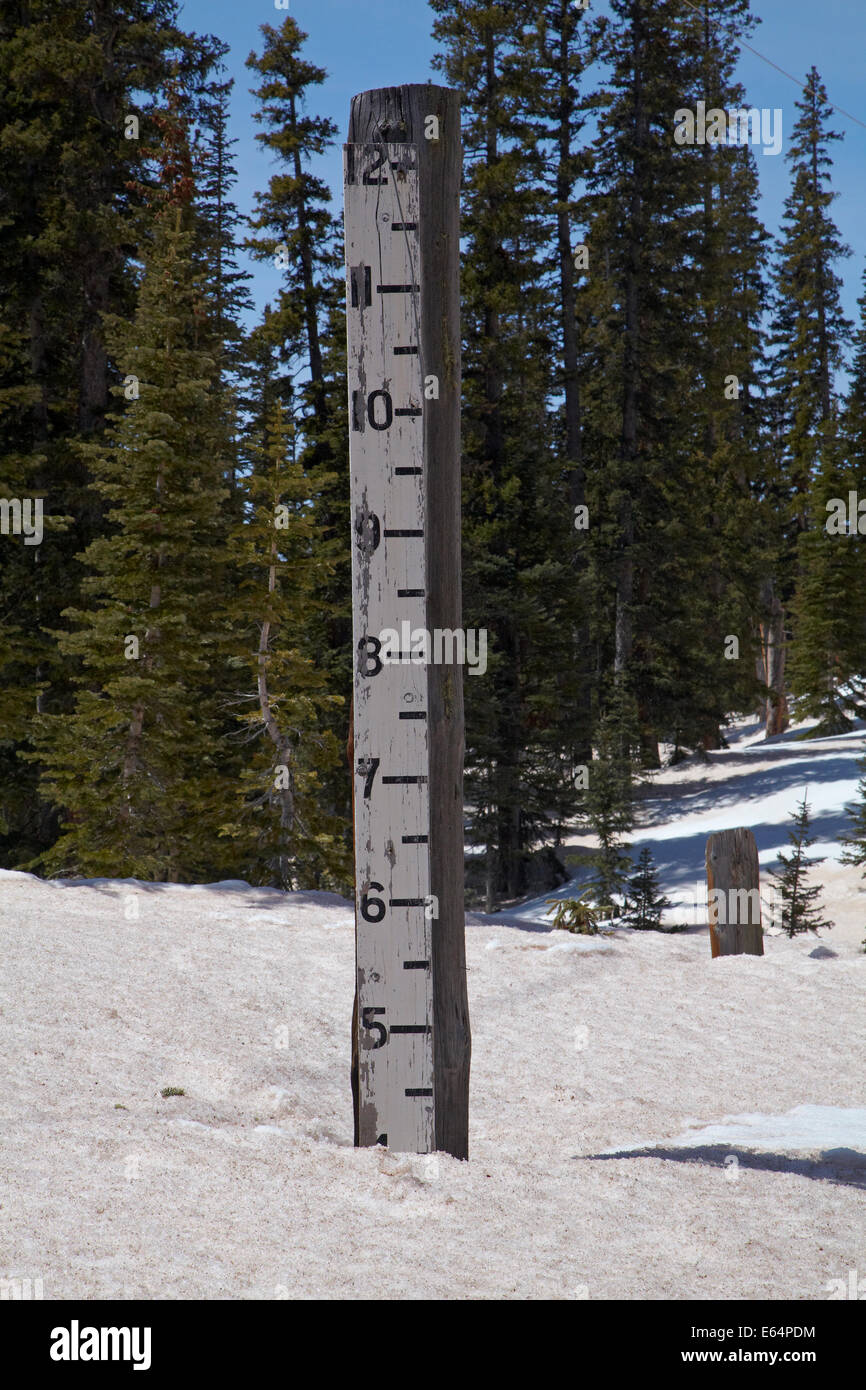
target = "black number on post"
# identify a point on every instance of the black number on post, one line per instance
(370, 664)
(367, 768)
(374, 168)
(371, 409)
(372, 909)
(369, 532)
(354, 280)
(368, 1022)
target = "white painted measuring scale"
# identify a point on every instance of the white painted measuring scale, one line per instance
(392, 812)
(408, 811)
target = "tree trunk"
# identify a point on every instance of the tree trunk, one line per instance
(776, 715)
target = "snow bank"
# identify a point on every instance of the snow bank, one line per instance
(805, 1129)
(247, 1185)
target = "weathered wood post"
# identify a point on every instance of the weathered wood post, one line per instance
(411, 1026)
(734, 894)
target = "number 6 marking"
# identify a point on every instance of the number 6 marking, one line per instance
(372, 909)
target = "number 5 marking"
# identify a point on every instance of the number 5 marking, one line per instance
(368, 1022)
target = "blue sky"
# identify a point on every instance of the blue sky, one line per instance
(387, 42)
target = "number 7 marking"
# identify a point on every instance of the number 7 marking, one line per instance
(368, 768)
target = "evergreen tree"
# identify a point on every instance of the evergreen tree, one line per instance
(138, 767)
(610, 820)
(282, 830)
(855, 840)
(609, 797)
(809, 328)
(854, 437)
(299, 349)
(294, 215)
(217, 242)
(644, 903)
(722, 562)
(21, 649)
(637, 363)
(74, 79)
(672, 304)
(326, 462)
(829, 658)
(809, 332)
(828, 662)
(854, 413)
(556, 56)
(800, 911)
(517, 522)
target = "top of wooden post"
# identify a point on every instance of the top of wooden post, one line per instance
(395, 115)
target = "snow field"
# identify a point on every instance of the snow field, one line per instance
(248, 1185)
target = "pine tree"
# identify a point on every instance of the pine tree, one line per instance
(293, 215)
(74, 79)
(672, 304)
(809, 328)
(556, 56)
(609, 797)
(800, 911)
(722, 560)
(855, 840)
(809, 332)
(326, 462)
(21, 649)
(644, 903)
(610, 821)
(830, 654)
(299, 349)
(854, 437)
(282, 830)
(828, 662)
(637, 334)
(217, 246)
(138, 767)
(518, 577)
(854, 414)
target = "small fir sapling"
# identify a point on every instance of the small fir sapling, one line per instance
(800, 910)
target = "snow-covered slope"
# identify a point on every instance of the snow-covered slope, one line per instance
(757, 783)
(645, 1122)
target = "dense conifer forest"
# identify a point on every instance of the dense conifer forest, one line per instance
(664, 438)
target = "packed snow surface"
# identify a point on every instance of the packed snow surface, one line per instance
(646, 1122)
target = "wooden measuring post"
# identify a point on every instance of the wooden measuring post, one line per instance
(402, 168)
(734, 894)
